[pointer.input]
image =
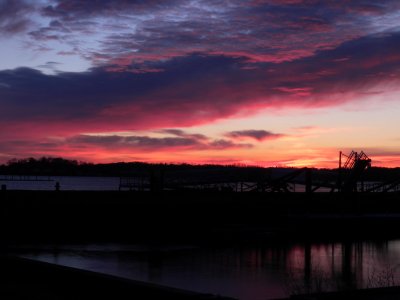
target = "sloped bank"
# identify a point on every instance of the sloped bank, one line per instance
(28, 279)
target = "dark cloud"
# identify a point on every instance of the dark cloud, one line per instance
(88, 145)
(14, 16)
(259, 135)
(120, 32)
(134, 142)
(194, 89)
(224, 144)
(183, 142)
(181, 133)
(154, 30)
(125, 99)
(50, 65)
(71, 9)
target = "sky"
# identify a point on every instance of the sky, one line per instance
(249, 82)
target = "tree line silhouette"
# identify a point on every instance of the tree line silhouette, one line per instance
(57, 166)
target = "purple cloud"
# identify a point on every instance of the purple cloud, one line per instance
(134, 142)
(192, 90)
(14, 16)
(138, 32)
(259, 135)
(183, 134)
(139, 143)
(87, 145)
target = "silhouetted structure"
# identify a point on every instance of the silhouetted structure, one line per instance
(351, 171)
(354, 174)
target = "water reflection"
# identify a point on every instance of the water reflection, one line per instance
(245, 272)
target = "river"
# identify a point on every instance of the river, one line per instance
(252, 272)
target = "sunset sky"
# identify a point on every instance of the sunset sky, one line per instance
(255, 82)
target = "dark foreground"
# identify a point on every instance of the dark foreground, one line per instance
(210, 217)
(28, 279)
(388, 293)
(29, 217)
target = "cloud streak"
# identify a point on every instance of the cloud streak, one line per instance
(171, 144)
(195, 89)
(180, 142)
(259, 135)
(171, 139)
(263, 31)
(14, 16)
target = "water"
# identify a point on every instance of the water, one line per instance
(255, 272)
(47, 183)
(83, 183)
(87, 183)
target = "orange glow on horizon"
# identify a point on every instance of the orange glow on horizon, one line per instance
(101, 156)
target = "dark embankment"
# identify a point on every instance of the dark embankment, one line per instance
(67, 216)
(384, 293)
(28, 279)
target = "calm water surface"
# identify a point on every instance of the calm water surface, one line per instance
(245, 272)
(47, 183)
(77, 183)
